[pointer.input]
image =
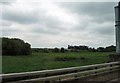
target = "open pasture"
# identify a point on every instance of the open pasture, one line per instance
(44, 61)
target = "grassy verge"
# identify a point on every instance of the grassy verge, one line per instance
(44, 61)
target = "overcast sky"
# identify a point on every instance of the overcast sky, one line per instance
(58, 24)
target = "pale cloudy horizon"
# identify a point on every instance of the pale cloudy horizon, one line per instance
(59, 24)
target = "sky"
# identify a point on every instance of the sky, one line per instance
(49, 24)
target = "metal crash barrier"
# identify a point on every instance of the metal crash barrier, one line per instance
(59, 75)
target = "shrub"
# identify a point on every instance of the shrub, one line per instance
(45, 50)
(15, 46)
(56, 50)
(62, 50)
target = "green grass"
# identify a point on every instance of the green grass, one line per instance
(43, 61)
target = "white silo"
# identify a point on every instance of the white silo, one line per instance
(117, 26)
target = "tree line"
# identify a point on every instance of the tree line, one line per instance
(15, 46)
(111, 48)
(48, 50)
(75, 49)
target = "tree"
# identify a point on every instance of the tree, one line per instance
(78, 48)
(110, 48)
(62, 50)
(45, 50)
(56, 50)
(101, 49)
(107, 49)
(15, 46)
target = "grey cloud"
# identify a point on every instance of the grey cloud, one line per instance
(5, 23)
(40, 24)
(7, 2)
(51, 23)
(104, 18)
(20, 16)
(96, 9)
(23, 19)
(49, 32)
(90, 8)
(8, 31)
(32, 17)
(45, 29)
(104, 31)
(100, 11)
(35, 17)
(96, 28)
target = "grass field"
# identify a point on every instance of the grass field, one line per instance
(43, 61)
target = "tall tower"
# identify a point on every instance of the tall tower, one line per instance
(117, 26)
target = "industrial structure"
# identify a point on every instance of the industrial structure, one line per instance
(117, 25)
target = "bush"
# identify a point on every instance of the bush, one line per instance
(65, 58)
(62, 50)
(56, 50)
(45, 50)
(69, 59)
(15, 46)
